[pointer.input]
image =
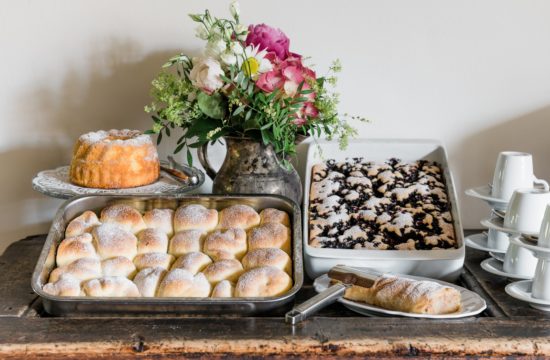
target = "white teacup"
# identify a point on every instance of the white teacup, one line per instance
(526, 210)
(541, 282)
(544, 235)
(514, 170)
(497, 240)
(519, 261)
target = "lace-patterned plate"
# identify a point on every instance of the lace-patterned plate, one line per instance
(56, 183)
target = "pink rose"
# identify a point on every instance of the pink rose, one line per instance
(268, 38)
(269, 81)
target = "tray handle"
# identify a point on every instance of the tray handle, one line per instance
(316, 303)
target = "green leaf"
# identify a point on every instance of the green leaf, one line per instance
(149, 132)
(202, 126)
(248, 115)
(178, 148)
(238, 110)
(167, 131)
(189, 158)
(159, 138)
(212, 105)
(196, 17)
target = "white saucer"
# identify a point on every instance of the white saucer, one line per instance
(495, 267)
(471, 303)
(538, 251)
(484, 193)
(498, 256)
(521, 290)
(498, 225)
(479, 242)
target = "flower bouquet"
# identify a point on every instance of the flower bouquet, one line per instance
(248, 84)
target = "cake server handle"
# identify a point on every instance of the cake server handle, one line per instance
(316, 303)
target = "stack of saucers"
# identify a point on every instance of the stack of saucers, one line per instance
(518, 200)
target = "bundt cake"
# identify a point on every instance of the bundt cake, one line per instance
(114, 159)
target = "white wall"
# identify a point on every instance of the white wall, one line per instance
(472, 73)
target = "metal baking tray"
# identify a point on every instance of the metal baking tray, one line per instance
(443, 264)
(76, 306)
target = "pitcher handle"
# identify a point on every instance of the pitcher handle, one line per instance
(541, 182)
(202, 153)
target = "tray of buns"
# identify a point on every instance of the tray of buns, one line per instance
(386, 204)
(194, 254)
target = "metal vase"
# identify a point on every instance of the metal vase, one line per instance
(250, 167)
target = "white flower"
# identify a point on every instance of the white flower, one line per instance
(234, 9)
(242, 31)
(229, 57)
(201, 32)
(253, 61)
(215, 47)
(205, 74)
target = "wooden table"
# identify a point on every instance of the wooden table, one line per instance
(508, 327)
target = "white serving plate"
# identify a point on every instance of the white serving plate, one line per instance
(471, 303)
(437, 264)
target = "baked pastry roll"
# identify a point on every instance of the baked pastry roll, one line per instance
(226, 244)
(268, 257)
(224, 289)
(161, 260)
(227, 269)
(111, 240)
(407, 295)
(111, 286)
(80, 269)
(161, 219)
(66, 285)
(238, 216)
(82, 224)
(271, 235)
(186, 241)
(195, 216)
(148, 281)
(181, 283)
(124, 216)
(271, 215)
(262, 282)
(118, 266)
(193, 262)
(152, 240)
(74, 248)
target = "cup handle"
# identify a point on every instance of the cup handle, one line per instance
(202, 153)
(544, 183)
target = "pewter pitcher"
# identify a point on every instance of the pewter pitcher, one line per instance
(250, 167)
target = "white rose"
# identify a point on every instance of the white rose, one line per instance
(201, 32)
(228, 57)
(241, 30)
(234, 9)
(205, 74)
(215, 47)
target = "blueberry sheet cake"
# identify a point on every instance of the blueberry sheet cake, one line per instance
(393, 205)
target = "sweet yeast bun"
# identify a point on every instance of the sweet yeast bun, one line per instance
(226, 269)
(74, 248)
(80, 269)
(238, 216)
(82, 224)
(114, 159)
(111, 286)
(271, 215)
(226, 244)
(270, 235)
(186, 241)
(263, 281)
(148, 280)
(162, 260)
(161, 219)
(118, 266)
(111, 241)
(124, 216)
(224, 289)
(182, 283)
(268, 257)
(195, 216)
(193, 262)
(152, 240)
(66, 285)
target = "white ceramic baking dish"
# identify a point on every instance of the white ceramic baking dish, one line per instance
(438, 264)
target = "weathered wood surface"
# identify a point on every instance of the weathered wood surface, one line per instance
(509, 327)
